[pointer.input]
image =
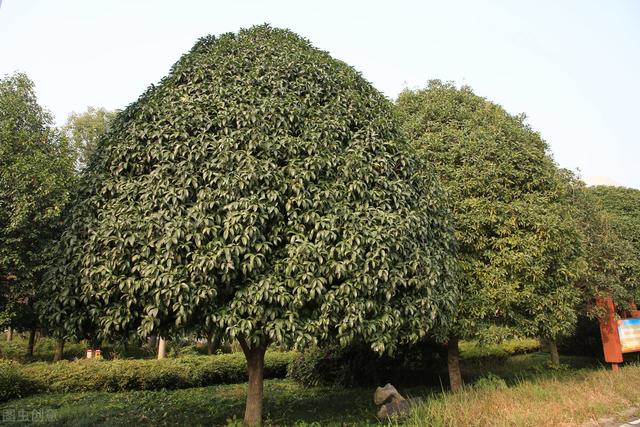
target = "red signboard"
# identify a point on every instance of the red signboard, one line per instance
(618, 335)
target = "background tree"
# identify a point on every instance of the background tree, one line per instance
(610, 262)
(621, 208)
(265, 186)
(518, 244)
(36, 180)
(84, 131)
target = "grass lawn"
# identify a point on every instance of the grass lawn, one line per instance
(507, 385)
(567, 398)
(285, 403)
(520, 390)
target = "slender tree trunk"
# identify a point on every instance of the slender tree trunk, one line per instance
(59, 354)
(553, 352)
(255, 370)
(453, 363)
(210, 348)
(95, 344)
(32, 341)
(153, 342)
(213, 342)
(162, 348)
(10, 334)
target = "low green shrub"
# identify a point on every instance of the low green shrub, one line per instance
(14, 383)
(503, 349)
(490, 381)
(121, 375)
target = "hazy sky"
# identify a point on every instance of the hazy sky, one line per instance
(572, 66)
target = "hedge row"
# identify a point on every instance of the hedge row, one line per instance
(118, 375)
(14, 383)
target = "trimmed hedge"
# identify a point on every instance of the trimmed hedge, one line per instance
(121, 375)
(14, 383)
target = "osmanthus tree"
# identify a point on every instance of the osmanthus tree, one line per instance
(620, 212)
(36, 180)
(265, 187)
(518, 244)
(610, 262)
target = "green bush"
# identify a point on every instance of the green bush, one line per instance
(503, 349)
(120, 375)
(13, 382)
(490, 382)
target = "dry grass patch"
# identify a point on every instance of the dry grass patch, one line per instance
(557, 401)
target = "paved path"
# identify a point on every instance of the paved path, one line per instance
(630, 414)
(632, 423)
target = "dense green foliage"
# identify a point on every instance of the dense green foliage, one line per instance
(84, 131)
(622, 207)
(120, 375)
(519, 247)
(609, 218)
(36, 179)
(612, 265)
(263, 188)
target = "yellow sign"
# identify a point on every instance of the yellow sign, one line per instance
(629, 330)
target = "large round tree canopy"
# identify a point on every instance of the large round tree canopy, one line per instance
(262, 187)
(518, 246)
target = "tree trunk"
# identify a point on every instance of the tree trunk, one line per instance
(213, 342)
(453, 363)
(153, 342)
(9, 334)
(32, 341)
(210, 348)
(95, 344)
(553, 352)
(162, 348)
(255, 370)
(58, 355)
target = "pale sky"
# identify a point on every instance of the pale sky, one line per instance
(571, 66)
